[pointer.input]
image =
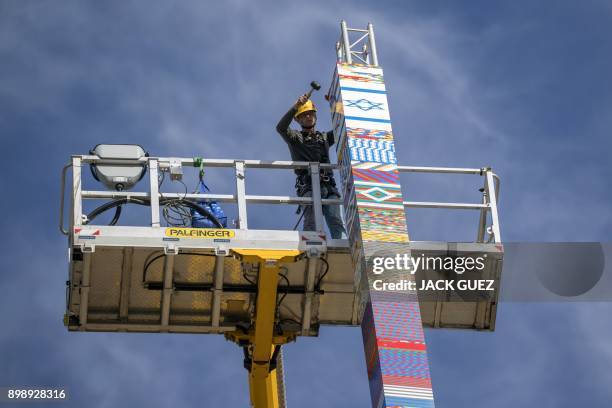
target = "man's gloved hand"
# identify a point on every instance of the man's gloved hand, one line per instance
(300, 101)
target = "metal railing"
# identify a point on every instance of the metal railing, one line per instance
(160, 164)
(487, 206)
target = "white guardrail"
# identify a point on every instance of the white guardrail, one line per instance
(487, 205)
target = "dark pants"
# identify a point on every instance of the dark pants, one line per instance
(331, 213)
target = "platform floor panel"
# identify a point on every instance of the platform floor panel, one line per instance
(123, 297)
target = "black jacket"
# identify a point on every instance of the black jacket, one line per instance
(305, 146)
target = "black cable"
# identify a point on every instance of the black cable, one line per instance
(173, 211)
(286, 291)
(299, 219)
(112, 204)
(176, 215)
(286, 279)
(318, 285)
(146, 267)
(288, 319)
(197, 254)
(147, 202)
(244, 275)
(280, 302)
(160, 179)
(116, 216)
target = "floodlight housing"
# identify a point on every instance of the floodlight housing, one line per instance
(118, 176)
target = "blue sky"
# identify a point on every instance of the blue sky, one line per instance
(524, 87)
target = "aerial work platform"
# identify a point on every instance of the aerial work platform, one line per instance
(117, 273)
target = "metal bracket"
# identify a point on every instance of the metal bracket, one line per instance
(176, 169)
(171, 250)
(222, 252)
(88, 248)
(314, 252)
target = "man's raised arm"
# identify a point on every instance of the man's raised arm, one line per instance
(283, 125)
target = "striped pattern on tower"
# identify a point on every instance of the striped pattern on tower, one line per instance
(394, 343)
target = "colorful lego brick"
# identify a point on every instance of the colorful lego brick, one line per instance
(394, 343)
(373, 134)
(372, 151)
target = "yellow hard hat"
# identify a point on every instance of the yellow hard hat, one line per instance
(305, 107)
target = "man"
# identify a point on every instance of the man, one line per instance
(312, 146)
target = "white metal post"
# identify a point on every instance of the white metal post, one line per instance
(154, 181)
(372, 53)
(241, 195)
(310, 283)
(345, 43)
(167, 291)
(126, 274)
(482, 223)
(84, 288)
(315, 179)
(338, 51)
(217, 291)
(77, 199)
(493, 203)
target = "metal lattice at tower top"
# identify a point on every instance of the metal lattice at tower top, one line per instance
(265, 288)
(357, 46)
